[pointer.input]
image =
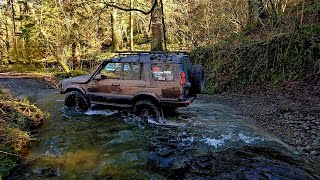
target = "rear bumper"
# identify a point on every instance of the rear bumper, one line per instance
(175, 103)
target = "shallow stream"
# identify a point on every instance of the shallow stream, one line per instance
(207, 140)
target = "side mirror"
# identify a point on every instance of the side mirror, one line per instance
(97, 77)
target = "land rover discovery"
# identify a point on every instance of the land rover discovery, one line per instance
(149, 83)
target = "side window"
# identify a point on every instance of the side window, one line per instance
(131, 71)
(162, 72)
(111, 71)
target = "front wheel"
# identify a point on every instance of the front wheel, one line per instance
(146, 109)
(77, 101)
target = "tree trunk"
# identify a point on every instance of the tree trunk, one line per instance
(61, 63)
(302, 13)
(74, 56)
(24, 15)
(164, 33)
(115, 37)
(156, 28)
(131, 27)
(256, 12)
(7, 35)
(14, 30)
(253, 13)
(282, 5)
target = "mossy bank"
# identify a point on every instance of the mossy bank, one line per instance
(18, 121)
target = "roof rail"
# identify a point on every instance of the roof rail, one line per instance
(151, 52)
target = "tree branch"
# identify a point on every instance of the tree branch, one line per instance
(3, 152)
(110, 4)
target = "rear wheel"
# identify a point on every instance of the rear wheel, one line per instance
(77, 101)
(198, 80)
(146, 109)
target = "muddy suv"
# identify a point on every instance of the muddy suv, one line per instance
(148, 83)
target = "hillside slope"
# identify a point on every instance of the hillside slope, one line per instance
(271, 54)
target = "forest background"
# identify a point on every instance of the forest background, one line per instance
(242, 43)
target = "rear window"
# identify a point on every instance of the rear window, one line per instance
(162, 72)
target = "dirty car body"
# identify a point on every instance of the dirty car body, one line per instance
(161, 79)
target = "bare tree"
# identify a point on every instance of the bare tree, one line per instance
(115, 37)
(156, 28)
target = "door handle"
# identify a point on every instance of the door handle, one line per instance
(115, 84)
(141, 85)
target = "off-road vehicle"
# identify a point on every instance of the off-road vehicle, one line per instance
(147, 82)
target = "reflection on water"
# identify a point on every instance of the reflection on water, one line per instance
(206, 140)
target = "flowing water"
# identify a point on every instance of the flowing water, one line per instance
(206, 140)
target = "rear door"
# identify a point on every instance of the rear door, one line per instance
(165, 81)
(133, 81)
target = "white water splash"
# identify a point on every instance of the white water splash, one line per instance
(217, 142)
(248, 139)
(229, 137)
(101, 112)
(214, 142)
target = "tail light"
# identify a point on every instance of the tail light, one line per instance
(183, 79)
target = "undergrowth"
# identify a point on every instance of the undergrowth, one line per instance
(62, 75)
(280, 56)
(18, 118)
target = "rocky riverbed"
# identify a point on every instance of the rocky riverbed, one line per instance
(293, 116)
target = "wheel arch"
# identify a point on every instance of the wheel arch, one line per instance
(147, 96)
(73, 88)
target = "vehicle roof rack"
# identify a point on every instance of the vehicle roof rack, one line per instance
(150, 52)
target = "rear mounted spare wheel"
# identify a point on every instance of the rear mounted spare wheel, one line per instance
(77, 101)
(198, 80)
(145, 109)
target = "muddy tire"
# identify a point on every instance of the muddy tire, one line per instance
(197, 80)
(77, 101)
(145, 109)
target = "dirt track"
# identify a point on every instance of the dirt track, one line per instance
(25, 83)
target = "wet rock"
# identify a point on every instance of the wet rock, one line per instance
(312, 153)
(165, 152)
(45, 172)
(308, 147)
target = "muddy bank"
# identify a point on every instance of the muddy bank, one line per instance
(292, 116)
(28, 80)
(27, 85)
(18, 123)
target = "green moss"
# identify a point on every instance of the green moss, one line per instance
(6, 165)
(20, 117)
(7, 162)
